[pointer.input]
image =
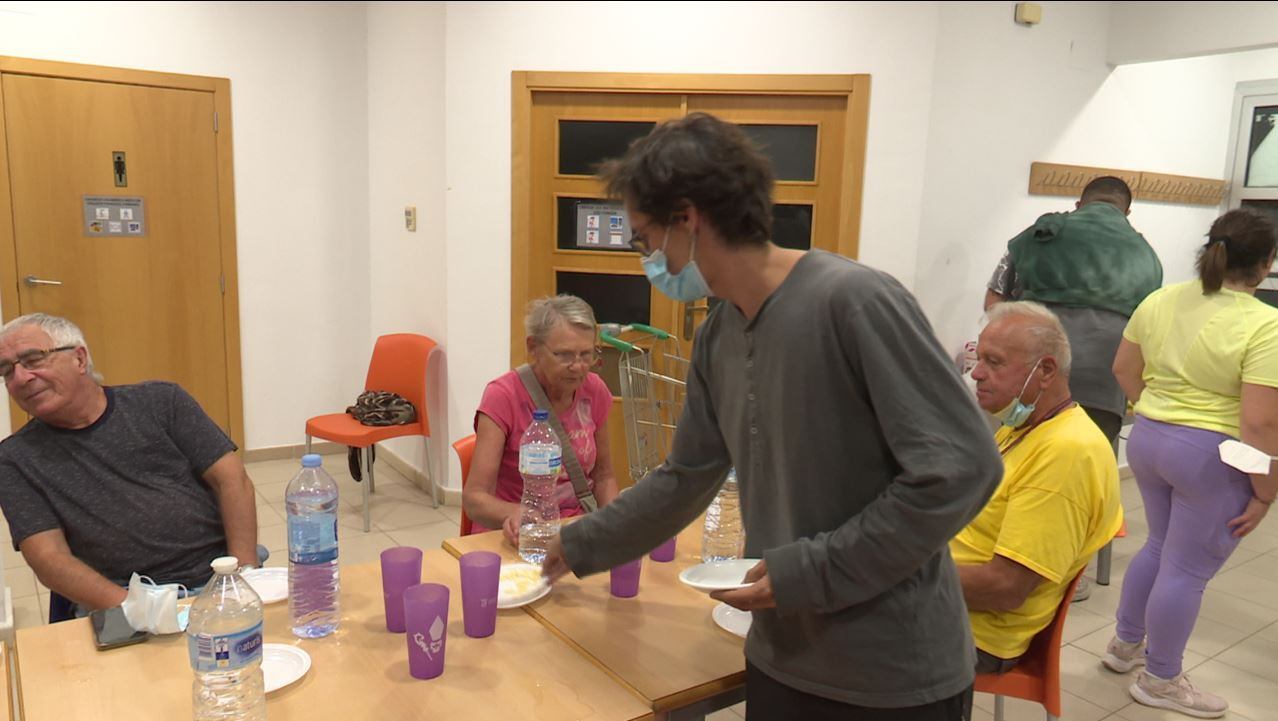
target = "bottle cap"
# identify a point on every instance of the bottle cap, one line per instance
(541, 415)
(225, 564)
(312, 460)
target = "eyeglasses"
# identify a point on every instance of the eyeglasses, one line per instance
(640, 243)
(567, 358)
(30, 359)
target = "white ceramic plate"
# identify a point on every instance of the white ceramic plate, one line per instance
(520, 584)
(283, 665)
(270, 583)
(732, 620)
(718, 575)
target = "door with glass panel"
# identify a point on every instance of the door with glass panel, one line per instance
(570, 238)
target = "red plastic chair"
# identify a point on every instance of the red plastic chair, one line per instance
(465, 451)
(1038, 676)
(399, 365)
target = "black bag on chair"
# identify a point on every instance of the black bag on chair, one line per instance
(377, 408)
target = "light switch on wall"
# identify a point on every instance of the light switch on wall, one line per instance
(410, 218)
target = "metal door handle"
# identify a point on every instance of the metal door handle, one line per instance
(32, 280)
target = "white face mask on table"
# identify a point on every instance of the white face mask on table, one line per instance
(153, 608)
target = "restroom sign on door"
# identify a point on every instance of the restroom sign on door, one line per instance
(108, 215)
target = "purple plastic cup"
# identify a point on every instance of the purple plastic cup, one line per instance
(480, 577)
(625, 579)
(665, 552)
(401, 568)
(426, 628)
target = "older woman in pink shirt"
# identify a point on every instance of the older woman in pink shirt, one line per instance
(561, 350)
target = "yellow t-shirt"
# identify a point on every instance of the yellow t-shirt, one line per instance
(1057, 505)
(1199, 350)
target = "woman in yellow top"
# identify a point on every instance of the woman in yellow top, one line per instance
(1200, 360)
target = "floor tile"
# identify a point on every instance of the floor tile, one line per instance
(1250, 696)
(28, 613)
(269, 515)
(1210, 637)
(1073, 708)
(1096, 642)
(21, 581)
(1081, 622)
(357, 548)
(425, 537)
(275, 538)
(1262, 565)
(1137, 712)
(1236, 612)
(1253, 588)
(1083, 676)
(1255, 655)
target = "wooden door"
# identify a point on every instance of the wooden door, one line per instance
(566, 123)
(149, 297)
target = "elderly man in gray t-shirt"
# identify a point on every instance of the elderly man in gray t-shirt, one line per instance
(858, 450)
(107, 481)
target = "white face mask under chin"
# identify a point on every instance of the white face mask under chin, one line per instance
(153, 608)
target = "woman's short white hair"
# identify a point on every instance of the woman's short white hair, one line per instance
(60, 330)
(545, 314)
(1045, 330)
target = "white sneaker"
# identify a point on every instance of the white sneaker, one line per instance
(1177, 694)
(1121, 657)
(1082, 591)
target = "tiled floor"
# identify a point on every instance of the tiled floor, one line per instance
(1233, 650)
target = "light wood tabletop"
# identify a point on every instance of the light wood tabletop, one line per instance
(663, 643)
(6, 688)
(361, 672)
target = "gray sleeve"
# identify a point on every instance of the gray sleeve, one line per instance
(948, 466)
(193, 432)
(1003, 281)
(26, 510)
(666, 500)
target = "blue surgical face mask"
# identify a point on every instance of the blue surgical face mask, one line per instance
(1014, 414)
(685, 286)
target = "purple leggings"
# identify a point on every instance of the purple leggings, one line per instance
(1189, 497)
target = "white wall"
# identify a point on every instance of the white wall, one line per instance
(1046, 93)
(408, 286)
(1143, 31)
(486, 41)
(298, 87)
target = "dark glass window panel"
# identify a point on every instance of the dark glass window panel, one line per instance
(1265, 206)
(566, 226)
(792, 226)
(1262, 157)
(792, 149)
(585, 144)
(615, 298)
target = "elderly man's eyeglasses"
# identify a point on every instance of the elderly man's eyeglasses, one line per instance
(30, 359)
(567, 358)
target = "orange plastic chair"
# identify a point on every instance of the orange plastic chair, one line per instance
(465, 451)
(1038, 676)
(399, 365)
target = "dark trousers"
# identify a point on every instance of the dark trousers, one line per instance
(767, 699)
(989, 663)
(1109, 423)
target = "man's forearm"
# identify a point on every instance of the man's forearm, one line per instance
(239, 520)
(74, 579)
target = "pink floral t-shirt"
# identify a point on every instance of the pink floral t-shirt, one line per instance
(508, 404)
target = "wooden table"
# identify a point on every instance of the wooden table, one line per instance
(520, 672)
(662, 644)
(6, 688)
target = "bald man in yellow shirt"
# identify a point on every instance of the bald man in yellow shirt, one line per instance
(1058, 502)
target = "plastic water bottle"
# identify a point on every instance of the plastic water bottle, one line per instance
(723, 537)
(540, 457)
(224, 644)
(311, 501)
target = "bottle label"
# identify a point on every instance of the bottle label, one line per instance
(312, 539)
(539, 460)
(224, 652)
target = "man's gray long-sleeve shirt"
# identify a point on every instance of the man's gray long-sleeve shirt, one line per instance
(859, 454)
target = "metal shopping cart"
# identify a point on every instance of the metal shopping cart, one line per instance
(651, 371)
